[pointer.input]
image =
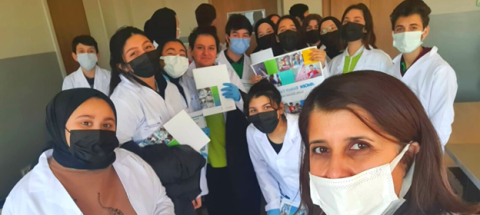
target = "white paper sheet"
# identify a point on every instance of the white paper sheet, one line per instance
(261, 56)
(209, 81)
(184, 129)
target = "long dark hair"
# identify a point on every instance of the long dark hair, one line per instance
(396, 111)
(369, 39)
(117, 42)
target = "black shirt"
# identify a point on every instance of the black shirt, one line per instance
(277, 147)
(91, 81)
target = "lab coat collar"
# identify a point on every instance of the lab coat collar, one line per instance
(361, 61)
(408, 75)
(290, 136)
(45, 181)
(100, 77)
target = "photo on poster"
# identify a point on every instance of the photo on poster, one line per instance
(293, 107)
(297, 59)
(275, 80)
(159, 136)
(260, 69)
(209, 97)
(284, 63)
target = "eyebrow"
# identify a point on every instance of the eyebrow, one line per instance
(346, 139)
(109, 119)
(85, 116)
(146, 41)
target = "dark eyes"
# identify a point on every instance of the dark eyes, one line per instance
(355, 146)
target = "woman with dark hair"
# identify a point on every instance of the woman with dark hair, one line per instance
(290, 37)
(86, 172)
(330, 36)
(146, 97)
(265, 36)
(274, 144)
(162, 26)
(311, 30)
(371, 151)
(361, 52)
(274, 18)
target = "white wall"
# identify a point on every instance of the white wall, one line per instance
(25, 29)
(451, 6)
(106, 16)
(314, 6)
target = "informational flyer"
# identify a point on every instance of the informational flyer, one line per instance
(209, 81)
(173, 132)
(294, 74)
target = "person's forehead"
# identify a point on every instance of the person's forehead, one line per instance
(206, 40)
(408, 20)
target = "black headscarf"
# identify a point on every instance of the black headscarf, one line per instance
(59, 111)
(161, 26)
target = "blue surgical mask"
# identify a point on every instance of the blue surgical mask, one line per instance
(239, 46)
(87, 60)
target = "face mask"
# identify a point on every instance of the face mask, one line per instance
(87, 60)
(94, 147)
(369, 192)
(266, 122)
(352, 31)
(407, 42)
(289, 40)
(146, 65)
(267, 41)
(175, 66)
(179, 33)
(312, 36)
(239, 46)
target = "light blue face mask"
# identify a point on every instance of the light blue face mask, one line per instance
(238, 45)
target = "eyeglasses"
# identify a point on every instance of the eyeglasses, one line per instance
(326, 30)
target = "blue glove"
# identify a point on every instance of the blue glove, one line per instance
(273, 212)
(206, 131)
(230, 91)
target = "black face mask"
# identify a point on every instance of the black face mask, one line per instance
(352, 31)
(95, 148)
(331, 40)
(146, 65)
(266, 122)
(289, 40)
(312, 36)
(267, 41)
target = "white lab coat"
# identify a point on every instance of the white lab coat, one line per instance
(141, 110)
(373, 59)
(40, 192)
(277, 174)
(434, 82)
(77, 80)
(247, 69)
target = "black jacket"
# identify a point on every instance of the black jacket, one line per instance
(178, 168)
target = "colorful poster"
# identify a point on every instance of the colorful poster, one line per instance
(209, 81)
(294, 74)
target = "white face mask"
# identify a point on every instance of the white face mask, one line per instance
(369, 192)
(87, 60)
(407, 42)
(175, 66)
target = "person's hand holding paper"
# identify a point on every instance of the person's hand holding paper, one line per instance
(230, 91)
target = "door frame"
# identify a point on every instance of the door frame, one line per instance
(53, 36)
